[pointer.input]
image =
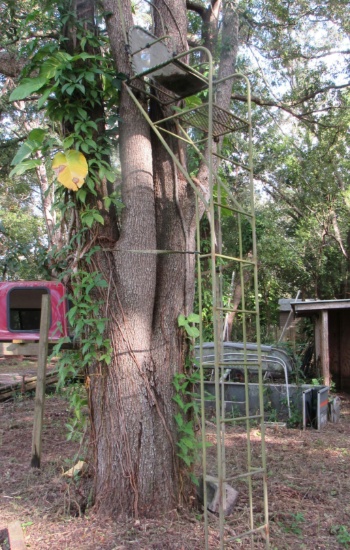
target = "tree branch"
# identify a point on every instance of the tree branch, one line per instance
(276, 190)
(196, 7)
(288, 108)
(324, 54)
(52, 35)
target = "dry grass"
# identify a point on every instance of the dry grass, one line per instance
(308, 484)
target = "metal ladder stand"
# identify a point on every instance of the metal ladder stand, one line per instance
(201, 127)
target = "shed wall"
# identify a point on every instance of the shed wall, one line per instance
(339, 348)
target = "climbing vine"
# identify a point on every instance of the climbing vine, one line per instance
(187, 399)
(73, 86)
(88, 329)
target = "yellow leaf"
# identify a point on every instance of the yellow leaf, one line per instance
(77, 469)
(71, 168)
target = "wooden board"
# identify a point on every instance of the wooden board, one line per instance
(30, 348)
(12, 348)
(41, 381)
(16, 537)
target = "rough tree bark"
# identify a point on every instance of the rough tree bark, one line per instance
(137, 469)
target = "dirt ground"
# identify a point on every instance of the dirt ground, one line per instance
(308, 490)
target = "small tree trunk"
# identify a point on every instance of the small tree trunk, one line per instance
(236, 300)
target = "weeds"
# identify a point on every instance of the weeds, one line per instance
(342, 535)
(295, 524)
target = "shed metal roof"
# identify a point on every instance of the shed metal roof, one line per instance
(312, 306)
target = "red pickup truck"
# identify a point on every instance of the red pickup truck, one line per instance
(20, 309)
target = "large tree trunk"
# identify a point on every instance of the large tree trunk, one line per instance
(132, 406)
(137, 470)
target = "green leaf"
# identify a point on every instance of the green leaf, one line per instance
(27, 164)
(194, 479)
(102, 283)
(99, 218)
(193, 332)
(108, 174)
(176, 382)
(84, 147)
(183, 447)
(188, 442)
(193, 318)
(106, 358)
(91, 142)
(49, 67)
(193, 101)
(81, 88)
(89, 76)
(185, 458)
(91, 185)
(37, 135)
(179, 401)
(83, 56)
(181, 320)
(178, 419)
(27, 87)
(81, 195)
(70, 89)
(23, 152)
(72, 313)
(100, 325)
(188, 428)
(107, 201)
(87, 219)
(44, 97)
(82, 113)
(189, 405)
(92, 124)
(68, 142)
(33, 143)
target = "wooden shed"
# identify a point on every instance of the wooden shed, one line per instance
(332, 338)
